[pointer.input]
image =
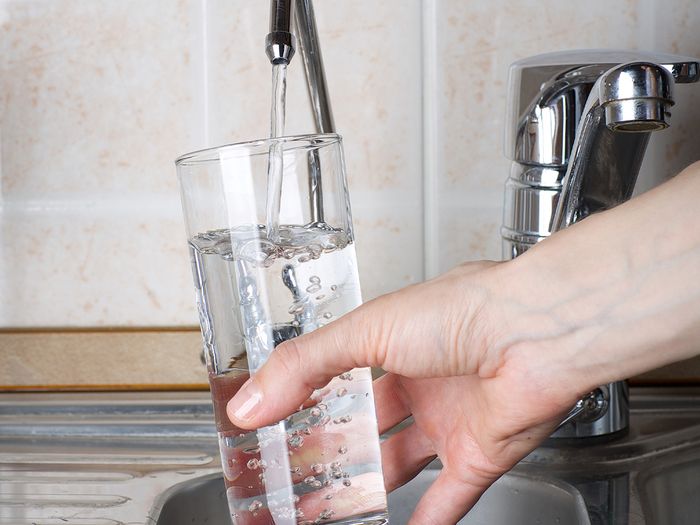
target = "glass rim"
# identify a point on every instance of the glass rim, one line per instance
(257, 147)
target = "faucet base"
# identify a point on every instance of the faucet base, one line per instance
(612, 421)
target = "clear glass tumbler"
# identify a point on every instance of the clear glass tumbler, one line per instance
(271, 243)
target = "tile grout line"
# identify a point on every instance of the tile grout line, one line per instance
(429, 137)
(204, 28)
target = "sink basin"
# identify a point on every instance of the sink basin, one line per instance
(649, 476)
(152, 459)
(530, 501)
(670, 494)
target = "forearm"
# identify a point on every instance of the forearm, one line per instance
(615, 295)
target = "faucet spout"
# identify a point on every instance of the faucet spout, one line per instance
(280, 46)
(280, 42)
(626, 104)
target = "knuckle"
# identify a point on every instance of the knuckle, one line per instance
(289, 358)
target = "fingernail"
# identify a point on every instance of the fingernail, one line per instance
(244, 403)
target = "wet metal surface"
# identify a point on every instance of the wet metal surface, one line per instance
(152, 459)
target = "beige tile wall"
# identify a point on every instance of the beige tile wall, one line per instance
(98, 97)
(96, 100)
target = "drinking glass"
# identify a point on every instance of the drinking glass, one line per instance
(273, 256)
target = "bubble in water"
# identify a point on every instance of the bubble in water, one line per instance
(327, 483)
(296, 471)
(315, 411)
(309, 480)
(334, 287)
(347, 376)
(322, 406)
(296, 498)
(313, 288)
(347, 482)
(296, 308)
(252, 464)
(255, 505)
(329, 496)
(307, 431)
(320, 296)
(317, 468)
(324, 421)
(304, 258)
(295, 441)
(343, 449)
(341, 392)
(315, 279)
(343, 419)
(327, 315)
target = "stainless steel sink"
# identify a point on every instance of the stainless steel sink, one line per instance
(512, 499)
(651, 475)
(203, 501)
(670, 494)
(152, 460)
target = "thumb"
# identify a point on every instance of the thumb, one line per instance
(299, 366)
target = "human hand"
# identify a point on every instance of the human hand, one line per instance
(478, 405)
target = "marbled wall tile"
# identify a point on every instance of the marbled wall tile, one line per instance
(671, 27)
(96, 96)
(99, 97)
(372, 56)
(91, 265)
(471, 230)
(389, 252)
(96, 100)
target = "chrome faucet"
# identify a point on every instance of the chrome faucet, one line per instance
(577, 128)
(281, 43)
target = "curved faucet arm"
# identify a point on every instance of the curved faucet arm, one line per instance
(547, 94)
(310, 50)
(626, 104)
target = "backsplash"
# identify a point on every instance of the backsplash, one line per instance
(98, 97)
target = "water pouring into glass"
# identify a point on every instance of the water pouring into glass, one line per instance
(273, 257)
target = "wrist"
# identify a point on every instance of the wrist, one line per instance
(535, 334)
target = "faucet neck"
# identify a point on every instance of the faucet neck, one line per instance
(280, 46)
(279, 42)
